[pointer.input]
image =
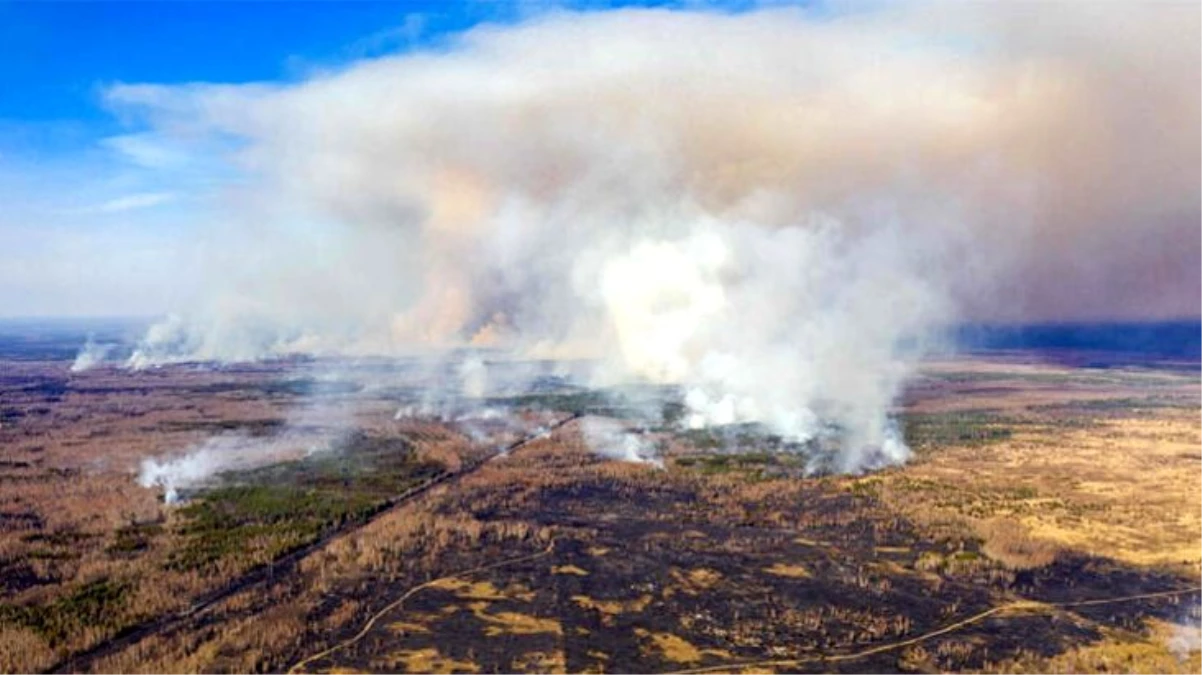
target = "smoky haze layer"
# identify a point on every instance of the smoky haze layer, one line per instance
(769, 209)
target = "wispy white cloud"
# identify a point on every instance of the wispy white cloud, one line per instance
(146, 150)
(390, 39)
(90, 232)
(132, 202)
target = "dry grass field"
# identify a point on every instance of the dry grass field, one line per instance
(1106, 463)
(1049, 521)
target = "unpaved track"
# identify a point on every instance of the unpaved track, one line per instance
(282, 566)
(1027, 607)
(410, 593)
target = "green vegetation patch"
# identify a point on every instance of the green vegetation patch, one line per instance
(231, 520)
(656, 406)
(926, 431)
(250, 427)
(62, 545)
(134, 538)
(754, 465)
(63, 538)
(272, 510)
(93, 606)
(1132, 406)
(587, 402)
(303, 386)
(747, 436)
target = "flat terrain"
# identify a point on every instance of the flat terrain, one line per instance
(1049, 521)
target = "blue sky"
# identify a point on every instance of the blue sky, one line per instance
(55, 57)
(90, 216)
(54, 54)
(74, 174)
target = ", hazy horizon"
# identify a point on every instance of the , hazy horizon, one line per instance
(63, 337)
(776, 209)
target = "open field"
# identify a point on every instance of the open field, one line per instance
(1049, 520)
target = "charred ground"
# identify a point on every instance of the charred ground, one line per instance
(1035, 488)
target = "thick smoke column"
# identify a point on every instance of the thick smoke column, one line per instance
(769, 209)
(794, 327)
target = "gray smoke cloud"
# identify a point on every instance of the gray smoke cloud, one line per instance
(770, 209)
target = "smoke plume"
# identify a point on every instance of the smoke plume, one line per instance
(1185, 636)
(609, 438)
(92, 354)
(196, 465)
(771, 209)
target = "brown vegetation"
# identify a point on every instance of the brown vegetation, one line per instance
(1031, 484)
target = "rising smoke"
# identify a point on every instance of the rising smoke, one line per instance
(92, 354)
(198, 464)
(323, 423)
(772, 210)
(609, 438)
(1185, 635)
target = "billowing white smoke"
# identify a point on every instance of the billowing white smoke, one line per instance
(770, 209)
(794, 327)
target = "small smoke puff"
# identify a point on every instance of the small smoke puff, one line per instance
(474, 377)
(91, 355)
(192, 468)
(1185, 640)
(609, 438)
(890, 450)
